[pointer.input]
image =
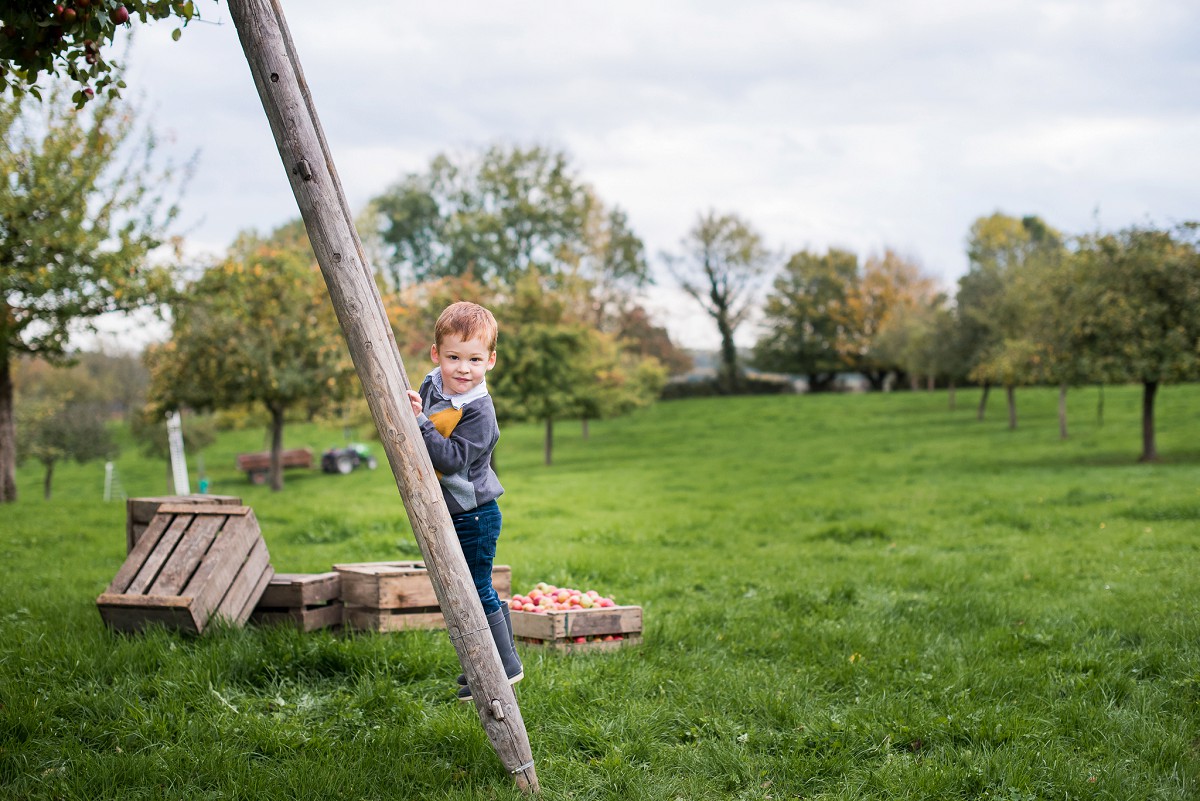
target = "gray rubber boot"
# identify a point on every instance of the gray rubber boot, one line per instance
(501, 627)
(462, 677)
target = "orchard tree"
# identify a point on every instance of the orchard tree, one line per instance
(82, 208)
(256, 328)
(541, 355)
(61, 417)
(722, 260)
(500, 214)
(992, 297)
(1139, 311)
(810, 319)
(889, 287)
(638, 334)
(72, 39)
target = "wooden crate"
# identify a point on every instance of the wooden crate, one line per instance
(561, 629)
(193, 563)
(393, 596)
(140, 511)
(308, 601)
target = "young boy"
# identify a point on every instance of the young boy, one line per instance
(458, 423)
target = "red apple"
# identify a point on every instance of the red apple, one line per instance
(119, 15)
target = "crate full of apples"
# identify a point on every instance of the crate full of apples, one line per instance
(570, 619)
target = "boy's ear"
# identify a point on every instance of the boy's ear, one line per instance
(433, 354)
(491, 360)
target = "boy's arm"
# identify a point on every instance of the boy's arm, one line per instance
(475, 435)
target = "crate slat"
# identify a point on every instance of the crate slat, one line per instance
(288, 590)
(158, 557)
(221, 564)
(304, 618)
(187, 555)
(254, 574)
(135, 558)
(561, 627)
(366, 618)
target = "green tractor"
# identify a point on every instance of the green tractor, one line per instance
(345, 460)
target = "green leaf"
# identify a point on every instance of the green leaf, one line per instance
(175, 34)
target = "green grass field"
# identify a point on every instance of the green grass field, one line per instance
(846, 597)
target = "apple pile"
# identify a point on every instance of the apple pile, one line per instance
(549, 598)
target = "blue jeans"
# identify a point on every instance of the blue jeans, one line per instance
(478, 530)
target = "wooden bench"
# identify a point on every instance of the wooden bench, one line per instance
(257, 466)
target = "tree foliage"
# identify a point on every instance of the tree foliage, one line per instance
(809, 317)
(891, 291)
(721, 260)
(552, 366)
(517, 230)
(500, 214)
(1137, 311)
(82, 207)
(1009, 258)
(72, 39)
(256, 328)
(61, 416)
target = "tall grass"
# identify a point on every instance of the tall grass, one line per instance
(845, 598)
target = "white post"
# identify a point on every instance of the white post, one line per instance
(108, 476)
(178, 462)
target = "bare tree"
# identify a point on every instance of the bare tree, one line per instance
(721, 262)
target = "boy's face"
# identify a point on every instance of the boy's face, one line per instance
(464, 363)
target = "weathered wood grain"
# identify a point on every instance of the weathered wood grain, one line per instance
(159, 556)
(308, 162)
(291, 590)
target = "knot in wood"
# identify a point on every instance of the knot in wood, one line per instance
(274, 77)
(303, 169)
(497, 709)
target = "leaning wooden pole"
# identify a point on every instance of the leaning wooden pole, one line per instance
(301, 141)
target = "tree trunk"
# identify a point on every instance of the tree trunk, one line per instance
(585, 428)
(355, 298)
(983, 401)
(1010, 392)
(549, 440)
(729, 381)
(47, 480)
(1100, 407)
(1149, 449)
(951, 396)
(8, 434)
(276, 449)
(1062, 411)
(930, 383)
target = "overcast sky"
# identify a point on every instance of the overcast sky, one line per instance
(857, 124)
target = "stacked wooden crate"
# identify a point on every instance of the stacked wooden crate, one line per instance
(308, 601)
(393, 596)
(191, 564)
(140, 511)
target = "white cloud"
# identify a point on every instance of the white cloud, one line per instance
(861, 124)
